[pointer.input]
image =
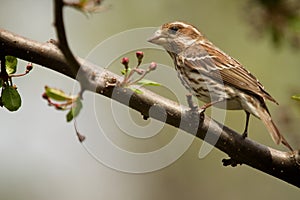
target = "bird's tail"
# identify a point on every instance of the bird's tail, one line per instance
(273, 130)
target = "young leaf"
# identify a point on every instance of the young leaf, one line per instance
(11, 98)
(135, 90)
(11, 64)
(57, 94)
(296, 97)
(69, 116)
(75, 110)
(123, 71)
(145, 82)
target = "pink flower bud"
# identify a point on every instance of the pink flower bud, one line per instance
(139, 55)
(29, 67)
(152, 66)
(125, 62)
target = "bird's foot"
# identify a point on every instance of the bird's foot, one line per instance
(194, 108)
(245, 134)
(230, 161)
(194, 114)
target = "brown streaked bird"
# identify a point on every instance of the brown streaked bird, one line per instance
(214, 77)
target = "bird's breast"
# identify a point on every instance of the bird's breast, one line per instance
(209, 90)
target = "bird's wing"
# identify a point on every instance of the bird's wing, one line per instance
(211, 61)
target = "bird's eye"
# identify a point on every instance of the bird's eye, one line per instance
(173, 29)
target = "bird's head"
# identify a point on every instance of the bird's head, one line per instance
(175, 36)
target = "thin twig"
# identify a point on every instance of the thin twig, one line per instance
(62, 39)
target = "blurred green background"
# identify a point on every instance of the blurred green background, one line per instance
(41, 157)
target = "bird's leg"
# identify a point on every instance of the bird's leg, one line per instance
(192, 106)
(196, 115)
(245, 133)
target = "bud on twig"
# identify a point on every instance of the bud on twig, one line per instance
(152, 66)
(139, 55)
(29, 66)
(129, 72)
(125, 62)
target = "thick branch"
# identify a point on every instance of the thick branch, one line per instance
(283, 165)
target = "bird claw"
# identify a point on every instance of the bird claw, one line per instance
(193, 108)
(245, 134)
(201, 111)
(230, 161)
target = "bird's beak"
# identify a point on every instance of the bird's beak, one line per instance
(156, 37)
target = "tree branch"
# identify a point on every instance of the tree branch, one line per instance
(283, 165)
(62, 39)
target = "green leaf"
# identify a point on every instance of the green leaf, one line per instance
(0, 82)
(135, 90)
(123, 71)
(69, 116)
(11, 64)
(57, 94)
(144, 82)
(75, 110)
(11, 98)
(296, 97)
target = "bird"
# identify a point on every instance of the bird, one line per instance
(214, 77)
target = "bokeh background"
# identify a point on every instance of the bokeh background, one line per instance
(41, 157)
